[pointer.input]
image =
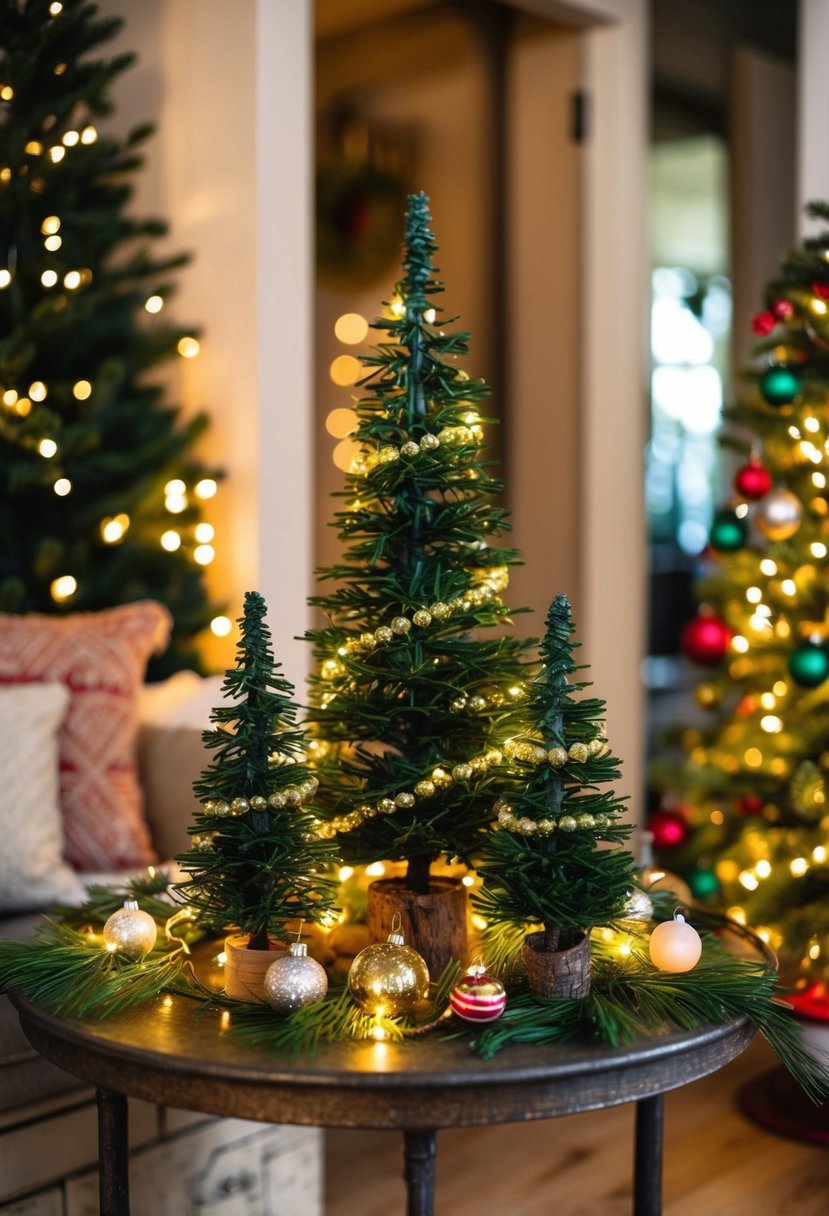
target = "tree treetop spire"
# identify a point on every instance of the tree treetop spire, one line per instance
(419, 244)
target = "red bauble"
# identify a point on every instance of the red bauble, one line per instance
(705, 640)
(821, 290)
(478, 996)
(763, 323)
(749, 804)
(783, 310)
(670, 829)
(753, 480)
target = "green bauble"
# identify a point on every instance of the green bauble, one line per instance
(808, 665)
(704, 883)
(728, 532)
(779, 385)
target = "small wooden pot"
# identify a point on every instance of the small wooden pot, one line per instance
(245, 969)
(435, 923)
(557, 973)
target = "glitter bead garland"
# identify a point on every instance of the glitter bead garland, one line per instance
(471, 435)
(293, 796)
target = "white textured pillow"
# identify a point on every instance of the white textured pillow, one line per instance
(32, 869)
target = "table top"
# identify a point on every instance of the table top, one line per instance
(178, 1053)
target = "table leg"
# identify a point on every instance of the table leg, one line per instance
(647, 1170)
(113, 1154)
(420, 1148)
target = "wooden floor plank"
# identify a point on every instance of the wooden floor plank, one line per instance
(717, 1163)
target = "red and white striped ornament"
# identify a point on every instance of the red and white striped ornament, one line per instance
(479, 996)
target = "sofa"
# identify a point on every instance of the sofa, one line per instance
(182, 1163)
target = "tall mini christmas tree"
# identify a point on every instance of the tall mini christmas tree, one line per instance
(256, 861)
(751, 823)
(102, 472)
(544, 862)
(409, 696)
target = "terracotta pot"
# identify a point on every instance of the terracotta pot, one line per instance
(245, 969)
(434, 924)
(559, 972)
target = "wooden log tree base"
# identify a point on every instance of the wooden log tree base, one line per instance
(434, 924)
(244, 972)
(557, 973)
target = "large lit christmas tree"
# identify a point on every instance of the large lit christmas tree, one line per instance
(545, 862)
(415, 672)
(100, 469)
(256, 861)
(749, 826)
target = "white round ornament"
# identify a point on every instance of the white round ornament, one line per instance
(675, 945)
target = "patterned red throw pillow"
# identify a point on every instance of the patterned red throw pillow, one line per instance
(101, 658)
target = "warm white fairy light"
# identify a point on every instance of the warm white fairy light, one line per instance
(48, 278)
(345, 370)
(206, 488)
(5, 278)
(89, 135)
(817, 548)
(72, 280)
(739, 643)
(204, 533)
(70, 138)
(37, 390)
(345, 872)
(154, 304)
(741, 510)
(768, 700)
(771, 724)
(52, 243)
(788, 587)
(819, 854)
(171, 540)
(763, 868)
(47, 448)
(749, 880)
(56, 154)
(175, 503)
(376, 869)
(351, 328)
(114, 528)
(221, 626)
(50, 225)
(188, 348)
(34, 147)
(204, 554)
(62, 487)
(819, 481)
(754, 595)
(64, 587)
(55, 8)
(818, 307)
(768, 567)
(798, 867)
(397, 308)
(81, 390)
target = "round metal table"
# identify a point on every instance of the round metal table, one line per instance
(178, 1054)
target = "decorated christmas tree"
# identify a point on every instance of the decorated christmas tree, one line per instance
(256, 861)
(746, 817)
(102, 471)
(415, 672)
(544, 863)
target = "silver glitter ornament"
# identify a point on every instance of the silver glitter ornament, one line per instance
(130, 931)
(778, 515)
(295, 980)
(639, 906)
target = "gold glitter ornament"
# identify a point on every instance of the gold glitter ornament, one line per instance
(404, 800)
(401, 625)
(258, 803)
(440, 611)
(239, 806)
(389, 977)
(557, 757)
(422, 618)
(293, 796)
(295, 980)
(579, 753)
(410, 449)
(429, 442)
(567, 823)
(130, 931)
(383, 634)
(639, 906)
(425, 789)
(462, 772)
(277, 801)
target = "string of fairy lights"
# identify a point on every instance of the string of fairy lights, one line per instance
(19, 401)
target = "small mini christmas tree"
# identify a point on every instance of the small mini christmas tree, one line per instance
(257, 861)
(544, 863)
(100, 469)
(409, 697)
(746, 820)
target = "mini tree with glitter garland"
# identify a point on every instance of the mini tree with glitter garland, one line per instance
(256, 861)
(544, 862)
(409, 698)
